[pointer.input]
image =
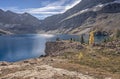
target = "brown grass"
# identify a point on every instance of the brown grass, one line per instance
(97, 62)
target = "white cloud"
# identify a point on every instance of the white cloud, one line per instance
(45, 10)
(53, 8)
(56, 7)
(72, 5)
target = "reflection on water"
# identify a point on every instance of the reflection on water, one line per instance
(19, 47)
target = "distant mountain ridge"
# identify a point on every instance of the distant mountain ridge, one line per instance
(18, 23)
(86, 15)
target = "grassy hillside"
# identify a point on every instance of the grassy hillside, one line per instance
(100, 60)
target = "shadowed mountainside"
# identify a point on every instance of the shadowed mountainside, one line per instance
(18, 23)
(88, 14)
(103, 14)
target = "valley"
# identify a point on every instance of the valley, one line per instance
(82, 42)
(102, 15)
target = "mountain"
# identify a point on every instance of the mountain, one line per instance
(18, 23)
(88, 14)
(103, 15)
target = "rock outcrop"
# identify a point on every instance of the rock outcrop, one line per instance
(61, 47)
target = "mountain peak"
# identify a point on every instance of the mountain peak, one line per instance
(8, 11)
(1, 10)
(26, 14)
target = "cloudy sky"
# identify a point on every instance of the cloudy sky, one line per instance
(38, 8)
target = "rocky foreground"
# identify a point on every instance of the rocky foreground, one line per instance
(39, 68)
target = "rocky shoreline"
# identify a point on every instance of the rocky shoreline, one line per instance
(61, 62)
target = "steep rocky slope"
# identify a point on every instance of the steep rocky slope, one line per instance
(103, 14)
(88, 14)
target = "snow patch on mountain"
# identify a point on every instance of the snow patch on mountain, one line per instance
(95, 8)
(98, 7)
(117, 1)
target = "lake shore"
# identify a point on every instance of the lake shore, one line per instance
(85, 63)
